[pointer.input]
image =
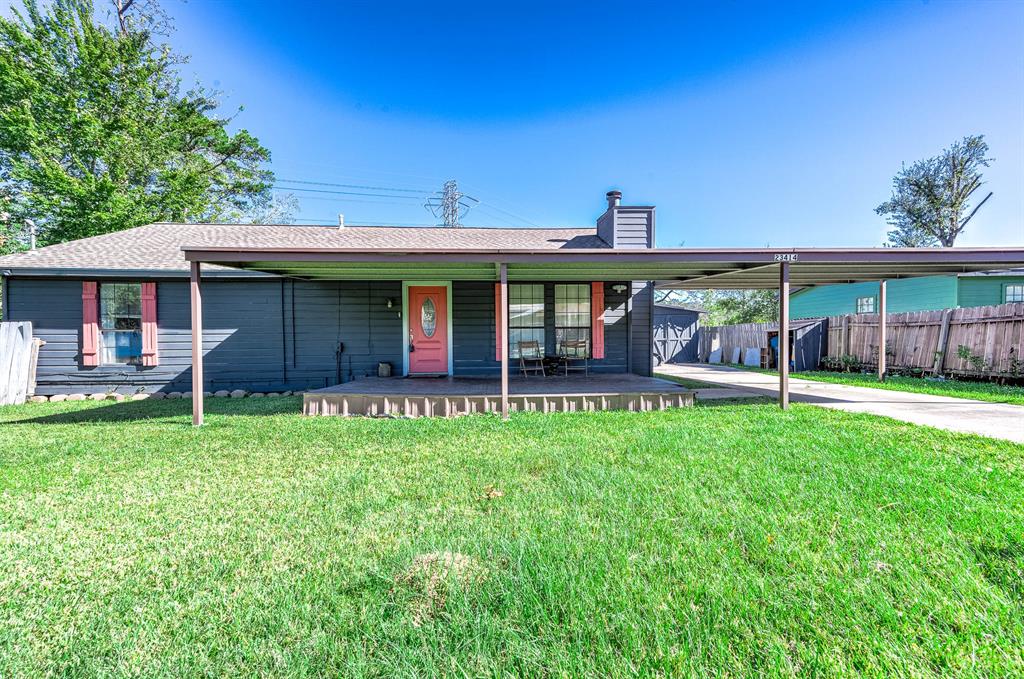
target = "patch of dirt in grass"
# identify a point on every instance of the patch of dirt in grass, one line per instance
(432, 576)
(492, 493)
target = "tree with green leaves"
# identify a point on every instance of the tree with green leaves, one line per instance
(98, 134)
(931, 198)
(728, 307)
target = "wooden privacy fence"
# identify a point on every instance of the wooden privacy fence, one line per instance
(731, 337)
(18, 355)
(930, 341)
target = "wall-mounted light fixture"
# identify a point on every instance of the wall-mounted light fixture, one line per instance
(619, 288)
(390, 302)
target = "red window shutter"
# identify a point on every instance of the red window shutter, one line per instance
(149, 337)
(498, 341)
(597, 319)
(90, 324)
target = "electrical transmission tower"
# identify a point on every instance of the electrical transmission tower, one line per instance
(449, 205)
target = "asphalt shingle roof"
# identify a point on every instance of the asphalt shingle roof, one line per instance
(157, 247)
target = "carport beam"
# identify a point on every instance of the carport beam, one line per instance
(881, 330)
(784, 335)
(197, 345)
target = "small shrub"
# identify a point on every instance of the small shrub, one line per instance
(977, 362)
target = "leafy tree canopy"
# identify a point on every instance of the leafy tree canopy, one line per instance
(931, 198)
(97, 133)
(728, 307)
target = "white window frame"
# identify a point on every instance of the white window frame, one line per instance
(874, 304)
(520, 287)
(589, 327)
(101, 330)
(1018, 292)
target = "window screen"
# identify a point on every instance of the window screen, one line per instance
(525, 317)
(121, 323)
(1014, 293)
(572, 317)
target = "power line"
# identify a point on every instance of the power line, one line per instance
(352, 186)
(401, 200)
(495, 208)
(459, 203)
(343, 193)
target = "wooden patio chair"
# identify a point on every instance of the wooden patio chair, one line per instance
(531, 357)
(574, 355)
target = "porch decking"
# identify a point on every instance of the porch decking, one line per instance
(448, 397)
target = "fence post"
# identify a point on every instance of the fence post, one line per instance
(940, 345)
(882, 322)
(844, 338)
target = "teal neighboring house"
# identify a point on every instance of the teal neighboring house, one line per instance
(910, 294)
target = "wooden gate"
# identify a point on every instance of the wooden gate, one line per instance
(18, 354)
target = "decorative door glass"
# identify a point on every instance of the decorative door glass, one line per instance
(428, 317)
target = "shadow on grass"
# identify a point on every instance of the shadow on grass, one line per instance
(128, 411)
(738, 401)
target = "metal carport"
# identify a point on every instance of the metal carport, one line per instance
(693, 269)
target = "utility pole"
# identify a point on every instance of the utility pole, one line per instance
(450, 205)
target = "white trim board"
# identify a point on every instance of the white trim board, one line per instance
(405, 321)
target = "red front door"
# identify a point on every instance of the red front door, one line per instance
(428, 330)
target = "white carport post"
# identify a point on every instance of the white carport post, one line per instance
(881, 330)
(197, 345)
(503, 337)
(784, 335)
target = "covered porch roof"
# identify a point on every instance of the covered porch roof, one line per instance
(725, 268)
(691, 268)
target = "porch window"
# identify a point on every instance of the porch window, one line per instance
(121, 323)
(572, 316)
(1013, 293)
(525, 316)
(865, 305)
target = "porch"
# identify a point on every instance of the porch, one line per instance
(451, 396)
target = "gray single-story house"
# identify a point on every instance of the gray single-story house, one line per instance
(114, 309)
(204, 307)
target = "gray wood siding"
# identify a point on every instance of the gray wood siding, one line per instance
(473, 329)
(606, 227)
(275, 334)
(249, 339)
(627, 227)
(641, 345)
(634, 228)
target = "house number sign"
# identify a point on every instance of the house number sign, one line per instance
(786, 257)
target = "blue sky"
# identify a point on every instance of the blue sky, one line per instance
(746, 124)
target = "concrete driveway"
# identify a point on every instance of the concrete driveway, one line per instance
(998, 420)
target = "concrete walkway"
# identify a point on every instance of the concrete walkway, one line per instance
(997, 420)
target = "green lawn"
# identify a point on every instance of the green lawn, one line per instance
(980, 391)
(716, 540)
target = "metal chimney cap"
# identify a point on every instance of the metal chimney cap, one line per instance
(614, 198)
